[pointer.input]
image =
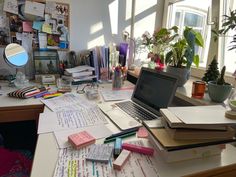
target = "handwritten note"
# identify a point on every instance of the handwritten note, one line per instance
(72, 163)
(27, 26)
(100, 153)
(72, 119)
(34, 8)
(46, 28)
(68, 101)
(11, 6)
(37, 25)
(97, 131)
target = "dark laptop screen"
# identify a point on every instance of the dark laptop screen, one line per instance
(154, 90)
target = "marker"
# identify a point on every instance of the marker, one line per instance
(121, 133)
(121, 136)
(138, 149)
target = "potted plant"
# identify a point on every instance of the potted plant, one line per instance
(219, 90)
(158, 43)
(182, 54)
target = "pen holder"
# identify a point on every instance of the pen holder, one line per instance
(117, 80)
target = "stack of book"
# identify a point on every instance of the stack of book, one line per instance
(192, 132)
(82, 73)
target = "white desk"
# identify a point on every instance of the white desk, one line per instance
(15, 109)
(46, 155)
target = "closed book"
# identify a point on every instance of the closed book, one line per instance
(198, 134)
(81, 139)
(186, 154)
(175, 122)
(170, 144)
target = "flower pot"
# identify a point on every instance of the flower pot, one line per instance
(218, 93)
(183, 74)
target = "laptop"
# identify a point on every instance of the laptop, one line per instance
(153, 90)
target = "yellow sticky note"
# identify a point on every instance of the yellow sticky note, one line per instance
(47, 28)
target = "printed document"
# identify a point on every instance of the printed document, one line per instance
(71, 119)
(115, 95)
(72, 162)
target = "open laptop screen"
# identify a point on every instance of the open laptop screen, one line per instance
(154, 90)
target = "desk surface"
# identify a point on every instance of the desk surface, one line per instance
(15, 109)
(46, 156)
(47, 153)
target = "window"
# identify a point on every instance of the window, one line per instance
(227, 57)
(193, 14)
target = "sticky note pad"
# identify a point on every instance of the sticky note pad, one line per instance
(100, 153)
(138, 149)
(81, 139)
(121, 159)
(142, 133)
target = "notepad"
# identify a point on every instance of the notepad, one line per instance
(100, 153)
(81, 139)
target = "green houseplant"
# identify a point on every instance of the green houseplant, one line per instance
(158, 43)
(219, 90)
(182, 54)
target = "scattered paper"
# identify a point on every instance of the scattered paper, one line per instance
(72, 162)
(114, 95)
(50, 7)
(37, 25)
(11, 6)
(46, 28)
(3, 21)
(68, 101)
(27, 26)
(27, 41)
(98, 131)
(64, 120)
(34, 8)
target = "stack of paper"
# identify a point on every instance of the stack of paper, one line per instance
(81, 73)
(199, 129)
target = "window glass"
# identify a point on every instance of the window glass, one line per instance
(228, 57)
(192, 13)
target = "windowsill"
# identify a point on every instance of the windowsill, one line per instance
(185, 93)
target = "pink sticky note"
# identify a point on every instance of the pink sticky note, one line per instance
(142, 133)
(81, 139)
(138, 149)
(27, 26)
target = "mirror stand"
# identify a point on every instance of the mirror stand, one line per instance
(17, 57)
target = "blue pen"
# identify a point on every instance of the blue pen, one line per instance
(41, 94)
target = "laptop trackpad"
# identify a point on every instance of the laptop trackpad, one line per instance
(122, 120)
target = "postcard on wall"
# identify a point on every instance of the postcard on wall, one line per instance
(10, 6)
(27, 26)
(3, 21)
(50, 7)
(34, 8)
(37, 25)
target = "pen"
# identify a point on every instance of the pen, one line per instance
(122, 133)
(121, 136)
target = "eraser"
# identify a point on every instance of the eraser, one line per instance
(81, 139)
(138, 149)
(142, 133)
(121, 159)
(117, 146)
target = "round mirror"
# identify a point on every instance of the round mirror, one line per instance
(15, 55)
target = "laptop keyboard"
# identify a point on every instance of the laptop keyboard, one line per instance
(135, 111)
